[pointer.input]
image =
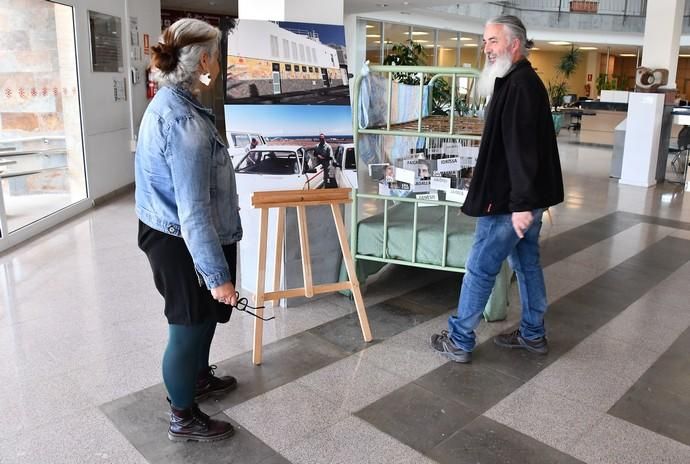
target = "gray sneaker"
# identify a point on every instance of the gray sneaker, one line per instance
(514, 340)
(444, 345)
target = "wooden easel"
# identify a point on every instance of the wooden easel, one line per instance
(300, 199)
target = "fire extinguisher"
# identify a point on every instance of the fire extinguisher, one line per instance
(151, 87)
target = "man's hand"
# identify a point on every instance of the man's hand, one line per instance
(521, 222)
(225, 294)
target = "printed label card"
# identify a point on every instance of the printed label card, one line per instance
(457, 195)
(440, 183)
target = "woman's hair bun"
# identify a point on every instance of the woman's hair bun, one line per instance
(164, 57)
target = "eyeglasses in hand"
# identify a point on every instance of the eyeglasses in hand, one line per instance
(243, 304)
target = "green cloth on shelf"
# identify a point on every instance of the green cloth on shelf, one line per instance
(429, 245)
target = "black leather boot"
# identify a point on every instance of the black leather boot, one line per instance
(207, 384)
(193, 425)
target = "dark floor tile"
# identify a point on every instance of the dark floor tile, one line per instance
(582, 316)
(143, 419)
(283, 361)
(417, 417)
(665, 222)
(657, 410)
(660, 399)
(276, 459)
(514, 362)
(671, 372)
(610, 298)
(385, 320)
(442, 294)
(484, 441)
(476, 386)
(556, 248)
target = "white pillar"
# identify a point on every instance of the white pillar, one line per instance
(592, 69)
(662, 30)
(642, 133)
(306, 11)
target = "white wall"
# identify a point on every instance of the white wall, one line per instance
(108, 125)
(306, 11)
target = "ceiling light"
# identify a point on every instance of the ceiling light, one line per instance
(422, 41)
(628, 55)
(418, 33)
(469, 45)
(369, 26)
(465, 38)
(534, 48)
(373, 35)
(560, 43)
(588, 48)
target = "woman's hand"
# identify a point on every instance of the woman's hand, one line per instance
(225, 294)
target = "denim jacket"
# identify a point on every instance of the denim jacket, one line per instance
(185, 181)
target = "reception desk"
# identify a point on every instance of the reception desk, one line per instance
(598, 127)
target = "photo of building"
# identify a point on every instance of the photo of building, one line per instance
(286, 63)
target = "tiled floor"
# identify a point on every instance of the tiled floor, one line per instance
(81, 335)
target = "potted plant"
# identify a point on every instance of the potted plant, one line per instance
(405, 54)
(559, 89)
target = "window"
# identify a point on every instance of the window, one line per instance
(41, 148)
(301, 52)
(286, 49)
(288, 67)
(425, 38)
(296, 68)
(240, 140)
(274, 46)
(374, 31)
(304, 69)
(311, 69)
(271, 162)
(448, 48)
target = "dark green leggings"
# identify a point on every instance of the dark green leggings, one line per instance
(185, 357)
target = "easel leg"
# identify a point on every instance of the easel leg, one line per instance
(306, 254)
(352, 275)
(257, 354)
(280, 237)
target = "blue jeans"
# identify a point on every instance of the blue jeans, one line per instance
(494, 241)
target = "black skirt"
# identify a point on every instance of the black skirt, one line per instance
(187, 300)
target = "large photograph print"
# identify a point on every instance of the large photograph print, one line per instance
(287, 63)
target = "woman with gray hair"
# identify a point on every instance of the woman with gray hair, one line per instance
(189, 222)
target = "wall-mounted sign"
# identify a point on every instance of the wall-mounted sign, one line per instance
(147, 49)
(105, 32)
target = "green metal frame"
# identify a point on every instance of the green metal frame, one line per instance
(437, 72)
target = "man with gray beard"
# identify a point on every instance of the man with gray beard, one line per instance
(517, 176)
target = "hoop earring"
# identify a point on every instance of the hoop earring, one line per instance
(205, 78)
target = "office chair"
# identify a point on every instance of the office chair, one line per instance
(680, 153)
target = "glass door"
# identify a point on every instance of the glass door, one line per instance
(41, 150)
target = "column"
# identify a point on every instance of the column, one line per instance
(662, 31)
(645, 147)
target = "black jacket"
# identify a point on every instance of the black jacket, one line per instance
(518, 168)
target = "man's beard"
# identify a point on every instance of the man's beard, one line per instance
(487, 79)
